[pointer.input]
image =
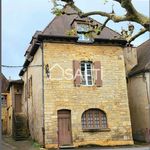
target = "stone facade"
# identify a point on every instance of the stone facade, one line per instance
(62, 94)
(111, 97)
(5, 113)
(9, 114)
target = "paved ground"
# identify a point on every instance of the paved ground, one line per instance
(9, 144)
(5, 146)
(133, 148)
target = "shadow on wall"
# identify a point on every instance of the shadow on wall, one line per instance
(142, 135)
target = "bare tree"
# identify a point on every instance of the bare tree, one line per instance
(131, 15)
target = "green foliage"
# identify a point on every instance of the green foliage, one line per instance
(72, 32)
(97, 30)
(57, 11)
(36, 145)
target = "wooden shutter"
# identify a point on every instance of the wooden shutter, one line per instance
(97, 67)
(76, 68)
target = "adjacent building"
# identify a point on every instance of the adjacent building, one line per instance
(18, 123)
(139, 90)
(5, 100)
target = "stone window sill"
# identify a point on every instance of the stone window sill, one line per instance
(96, 130)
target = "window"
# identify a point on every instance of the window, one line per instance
(82, 29)
(86, 71)
(30, 87)
(4, 100)
(94, 119)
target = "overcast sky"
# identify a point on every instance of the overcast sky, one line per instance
(21, 18)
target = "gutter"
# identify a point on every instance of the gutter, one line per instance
(75, 39)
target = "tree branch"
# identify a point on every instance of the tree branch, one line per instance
(133, 13)
(104, 24)
(142, 31)
(111, 16)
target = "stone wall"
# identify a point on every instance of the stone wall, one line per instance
(111, 97)
(138, 91)
(9, 114)
(32, 106)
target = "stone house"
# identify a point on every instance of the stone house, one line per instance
(139, 91)
(75, 90)
(18, 123)
(5, 99)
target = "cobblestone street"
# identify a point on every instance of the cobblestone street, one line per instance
(9, 144)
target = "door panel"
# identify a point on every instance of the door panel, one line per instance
(64, 127)
(17, 103)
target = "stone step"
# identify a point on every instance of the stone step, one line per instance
(66, 146)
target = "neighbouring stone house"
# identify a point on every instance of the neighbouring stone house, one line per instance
(139, 90)
(18, 123)
(5, 99)
(75, 90)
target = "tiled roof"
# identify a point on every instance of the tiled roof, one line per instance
(60, 25)
(58, 28)
(4, 83)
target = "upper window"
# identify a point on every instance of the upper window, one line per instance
(86, 70)
(94, 119)
(82, 30)
(87, 73)
(4, 100)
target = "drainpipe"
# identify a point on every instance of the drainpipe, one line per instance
(0, 90)
(27, 98)
(43, 102)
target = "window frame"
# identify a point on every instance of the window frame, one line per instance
(85, 120)
(83, 27)
(29, 87)
(4, 100)
(86, 75)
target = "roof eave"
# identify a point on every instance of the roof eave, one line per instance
(73, 39)
(132, 74)
(20, 82)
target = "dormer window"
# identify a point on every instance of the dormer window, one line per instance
(82, 31)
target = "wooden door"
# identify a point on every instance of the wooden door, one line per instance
(18, 103)
(64, 127)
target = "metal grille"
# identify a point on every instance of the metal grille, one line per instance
(94, 119)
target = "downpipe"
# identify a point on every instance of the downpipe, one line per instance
(43, 101)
